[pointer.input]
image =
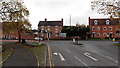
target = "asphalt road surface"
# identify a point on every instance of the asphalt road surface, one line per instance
(91, 53)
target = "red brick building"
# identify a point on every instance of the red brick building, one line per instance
(50, 29)
(104, 28)
(24, 35)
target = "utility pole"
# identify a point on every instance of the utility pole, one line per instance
(70, 21)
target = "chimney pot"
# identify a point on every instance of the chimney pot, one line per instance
(45, 19)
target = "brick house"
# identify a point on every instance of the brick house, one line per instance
(24, 35)
(50, 29)
(104, 28)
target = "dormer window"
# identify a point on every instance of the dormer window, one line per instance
(107, 22)
(95, 22)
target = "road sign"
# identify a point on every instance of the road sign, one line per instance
(62, 34)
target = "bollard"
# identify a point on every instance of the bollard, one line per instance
(113, 39)
(74, 40)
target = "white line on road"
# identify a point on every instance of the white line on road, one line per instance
(68, 50)
(88, 55)
(111, 59)
(61, 57)
(81, 61)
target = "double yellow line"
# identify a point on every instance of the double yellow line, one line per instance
(50, 57)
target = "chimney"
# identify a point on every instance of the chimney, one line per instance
(89, 21)
(45, 19)
(62, 21)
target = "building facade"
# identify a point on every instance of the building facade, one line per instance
(24, 35)
(104, 28)
(50, 29)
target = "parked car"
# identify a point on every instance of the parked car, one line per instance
(37, 38)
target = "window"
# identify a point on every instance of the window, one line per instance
(117, 31)
(98, 34)
(93, 28)
(104, 28)
(107, 22)
(105, 34)
(57, 33)
(110, 28)
(48, 29)
(111, 33)
(3, 36)
(117, 34)
(48, 26)
(42, 27)
(56, 27)
(42, 34)
(95, 22)
(98, 28)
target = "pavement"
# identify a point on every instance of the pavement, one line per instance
(91, 53)
(21, 57)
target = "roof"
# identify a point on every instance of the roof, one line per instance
(32, 31)
(50, 23)
(102, 21)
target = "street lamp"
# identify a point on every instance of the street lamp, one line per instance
(78, 34)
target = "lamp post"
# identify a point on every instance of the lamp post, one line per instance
(78, 34)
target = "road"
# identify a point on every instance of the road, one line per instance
(91, 53)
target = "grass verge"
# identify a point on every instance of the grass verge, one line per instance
(7, 51)
(39, 52)
(116, 44)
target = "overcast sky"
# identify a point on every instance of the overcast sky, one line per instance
(79, 10)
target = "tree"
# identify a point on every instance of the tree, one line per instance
(79, 30)
(14, 17)
(107, 7)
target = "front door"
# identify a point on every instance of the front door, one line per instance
(48, 35)
(93, 35)
(110, 35)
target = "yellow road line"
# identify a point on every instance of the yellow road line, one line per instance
(51, 57)
(50, 60)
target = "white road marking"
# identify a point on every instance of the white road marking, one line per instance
(81, 61)
(61, 57)
(116, 61)
(111, 59)
(88, 55)
(68, 51)
(55, 53)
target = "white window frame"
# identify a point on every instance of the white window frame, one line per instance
(42, 34)
(48, 26)
(105, 29)
(104, 34)
(117, 34)
(42, 27)
(110, 27)
(98, 34)
(56, 33)
(48, 29)
(93, 28)
(56, 27)
(107, 22)
(98, 28)
(95, 22)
